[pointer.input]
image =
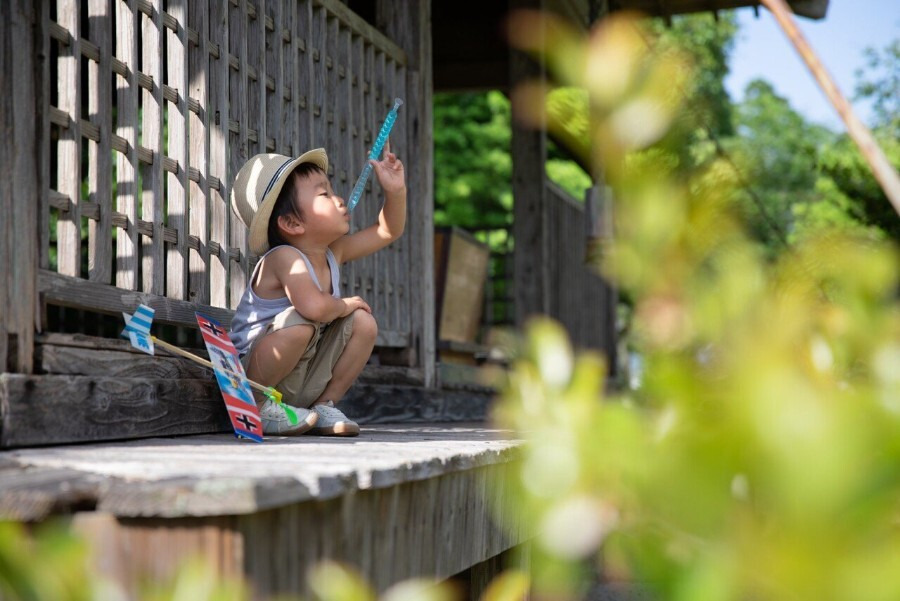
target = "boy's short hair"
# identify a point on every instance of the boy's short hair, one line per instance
(284, 204)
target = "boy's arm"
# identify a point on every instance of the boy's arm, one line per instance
(301, 290)
(391, 219)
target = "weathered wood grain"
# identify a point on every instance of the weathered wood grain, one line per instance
(153, 248)
(198, 156)
(119, 395)
(21, 182)
(177, 205)
(68, 360)
(219, 166)
(78, 293)
(127, 168)
(301, 468)
(40, 410)
(100, 153)
(238, 142)
(409, 24)
(68, 228)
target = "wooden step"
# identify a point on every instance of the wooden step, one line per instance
(92, 389)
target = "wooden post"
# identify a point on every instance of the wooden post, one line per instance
(531, 289)
(884, 172)
(409, 25)
(21, 185)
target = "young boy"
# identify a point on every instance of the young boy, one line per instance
(292, 328)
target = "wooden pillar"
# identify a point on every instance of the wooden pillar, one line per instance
(531, 261)
(21, 185)
(408, 24)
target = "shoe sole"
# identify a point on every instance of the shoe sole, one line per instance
(337, 430)
(302, 428)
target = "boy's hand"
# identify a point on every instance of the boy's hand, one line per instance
(389, 171)
(352, 303)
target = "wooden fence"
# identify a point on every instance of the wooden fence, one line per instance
(151, 108)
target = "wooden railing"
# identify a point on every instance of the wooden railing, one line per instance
(579, 298)
(149, 114)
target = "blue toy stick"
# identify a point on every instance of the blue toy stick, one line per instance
(374, 155)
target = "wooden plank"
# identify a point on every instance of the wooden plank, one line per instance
(22, 184)
(75, 361)
(256, 88)
(31, 494)
(409, 24)
(45, 144)
(153, 271)
(127, 243)
(7, 178)
(376, 277)
(68, 69)
(277, 127)
(356, 150)
(41, 410)
(363, 267)
(177, 207)
(73, 292)
(198, 154)
(199, 64)
(238, 144)
(303, 89)
(529, 154)
(219, 200)
(318, 99)
(100, 153)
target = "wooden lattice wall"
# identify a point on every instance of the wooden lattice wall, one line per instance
(153, 106)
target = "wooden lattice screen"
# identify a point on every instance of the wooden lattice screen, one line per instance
(153, 106)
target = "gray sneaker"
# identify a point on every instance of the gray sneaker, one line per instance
(285, 420)
(332, 421)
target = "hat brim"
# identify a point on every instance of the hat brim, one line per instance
(259, 226)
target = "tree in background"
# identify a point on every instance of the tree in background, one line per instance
(473, 168)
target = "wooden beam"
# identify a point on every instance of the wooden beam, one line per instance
(409, 25)
(530, 218)
(21, 181)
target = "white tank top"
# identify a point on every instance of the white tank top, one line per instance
(254, 313)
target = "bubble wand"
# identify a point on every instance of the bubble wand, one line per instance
(374, 155)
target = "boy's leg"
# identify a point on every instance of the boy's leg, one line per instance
(353, 358)
(277, 353)
(280, 358)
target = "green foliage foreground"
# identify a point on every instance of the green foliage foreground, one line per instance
(761, 458)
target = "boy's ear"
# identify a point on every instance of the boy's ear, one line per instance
(290, 224)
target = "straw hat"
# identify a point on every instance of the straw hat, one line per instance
(257, 186)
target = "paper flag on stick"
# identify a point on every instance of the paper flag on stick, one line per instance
(232, 381)
(137, 328)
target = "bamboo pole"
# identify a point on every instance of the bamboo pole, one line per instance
(266, 390)
(881, 167)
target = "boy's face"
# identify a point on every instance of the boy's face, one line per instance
(324, 212)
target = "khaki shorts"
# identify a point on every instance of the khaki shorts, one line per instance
(303, 385)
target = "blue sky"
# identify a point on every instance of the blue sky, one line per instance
(763, 51)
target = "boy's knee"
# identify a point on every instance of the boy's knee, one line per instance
(364, 325)
(297, 336)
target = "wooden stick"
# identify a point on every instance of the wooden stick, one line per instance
(267, 390)
(881, 167)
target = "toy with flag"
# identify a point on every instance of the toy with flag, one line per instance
(235, 387)
(232, 382)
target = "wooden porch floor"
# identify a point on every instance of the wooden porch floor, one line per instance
(397, 502)
(216, 474)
